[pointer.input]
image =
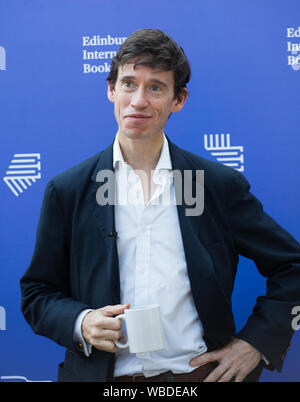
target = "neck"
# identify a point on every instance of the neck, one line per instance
(141, 153)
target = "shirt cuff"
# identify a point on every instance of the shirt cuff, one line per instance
(77, 333)
(265, 359)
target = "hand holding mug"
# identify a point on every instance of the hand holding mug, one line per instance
(101, 329)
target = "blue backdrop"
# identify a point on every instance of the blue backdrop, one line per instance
(54, 58)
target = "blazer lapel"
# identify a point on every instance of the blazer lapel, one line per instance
(105, 215)
(213, 305)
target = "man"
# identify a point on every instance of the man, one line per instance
(93, 259)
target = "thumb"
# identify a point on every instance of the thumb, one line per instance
(114, 310)
(205, 358)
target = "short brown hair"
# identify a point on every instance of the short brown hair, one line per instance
(155, 49)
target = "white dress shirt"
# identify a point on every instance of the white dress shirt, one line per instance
(153, 270)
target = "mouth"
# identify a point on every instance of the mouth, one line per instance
(136, 116)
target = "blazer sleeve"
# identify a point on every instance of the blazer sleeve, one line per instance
(47, 304)
(277, 257)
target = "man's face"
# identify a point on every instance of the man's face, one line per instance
(143, 99)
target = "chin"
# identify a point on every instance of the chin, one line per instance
(134, 133)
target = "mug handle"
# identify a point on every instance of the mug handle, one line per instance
(117, 343)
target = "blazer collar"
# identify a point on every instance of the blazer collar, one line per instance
(105, 161)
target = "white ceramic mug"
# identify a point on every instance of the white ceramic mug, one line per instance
(144, 329)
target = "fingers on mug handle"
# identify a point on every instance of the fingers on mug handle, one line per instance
(117, 343)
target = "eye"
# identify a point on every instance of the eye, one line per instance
(155, 88)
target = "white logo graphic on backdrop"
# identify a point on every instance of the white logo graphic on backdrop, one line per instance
(293, 47)
(97, 48)
(2, 58)
(2, 319)
(19, 378)
(22, 172)
(219, 146)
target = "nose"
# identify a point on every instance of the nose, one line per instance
(139, 99)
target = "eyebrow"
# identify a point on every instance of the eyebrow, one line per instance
(152, 81)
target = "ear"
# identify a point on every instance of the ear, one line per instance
(110, 91)
(180, 100)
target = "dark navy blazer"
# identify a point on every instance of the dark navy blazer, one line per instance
(75, 262)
